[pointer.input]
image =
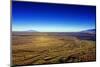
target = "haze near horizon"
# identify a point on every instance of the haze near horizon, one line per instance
(47, 17)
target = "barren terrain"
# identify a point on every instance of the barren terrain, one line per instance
(50, 49)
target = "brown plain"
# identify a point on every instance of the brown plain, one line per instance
(45, 49)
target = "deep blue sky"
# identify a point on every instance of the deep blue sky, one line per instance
(46, 17)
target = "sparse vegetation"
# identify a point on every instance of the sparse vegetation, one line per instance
(47, 49)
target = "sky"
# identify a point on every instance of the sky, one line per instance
(47, 17)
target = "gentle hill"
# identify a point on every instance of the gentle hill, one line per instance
(93, 31)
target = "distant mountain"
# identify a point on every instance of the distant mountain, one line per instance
(31, 31)
(89, 31)
(27, 31)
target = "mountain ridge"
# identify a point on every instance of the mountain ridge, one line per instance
(89, 31)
